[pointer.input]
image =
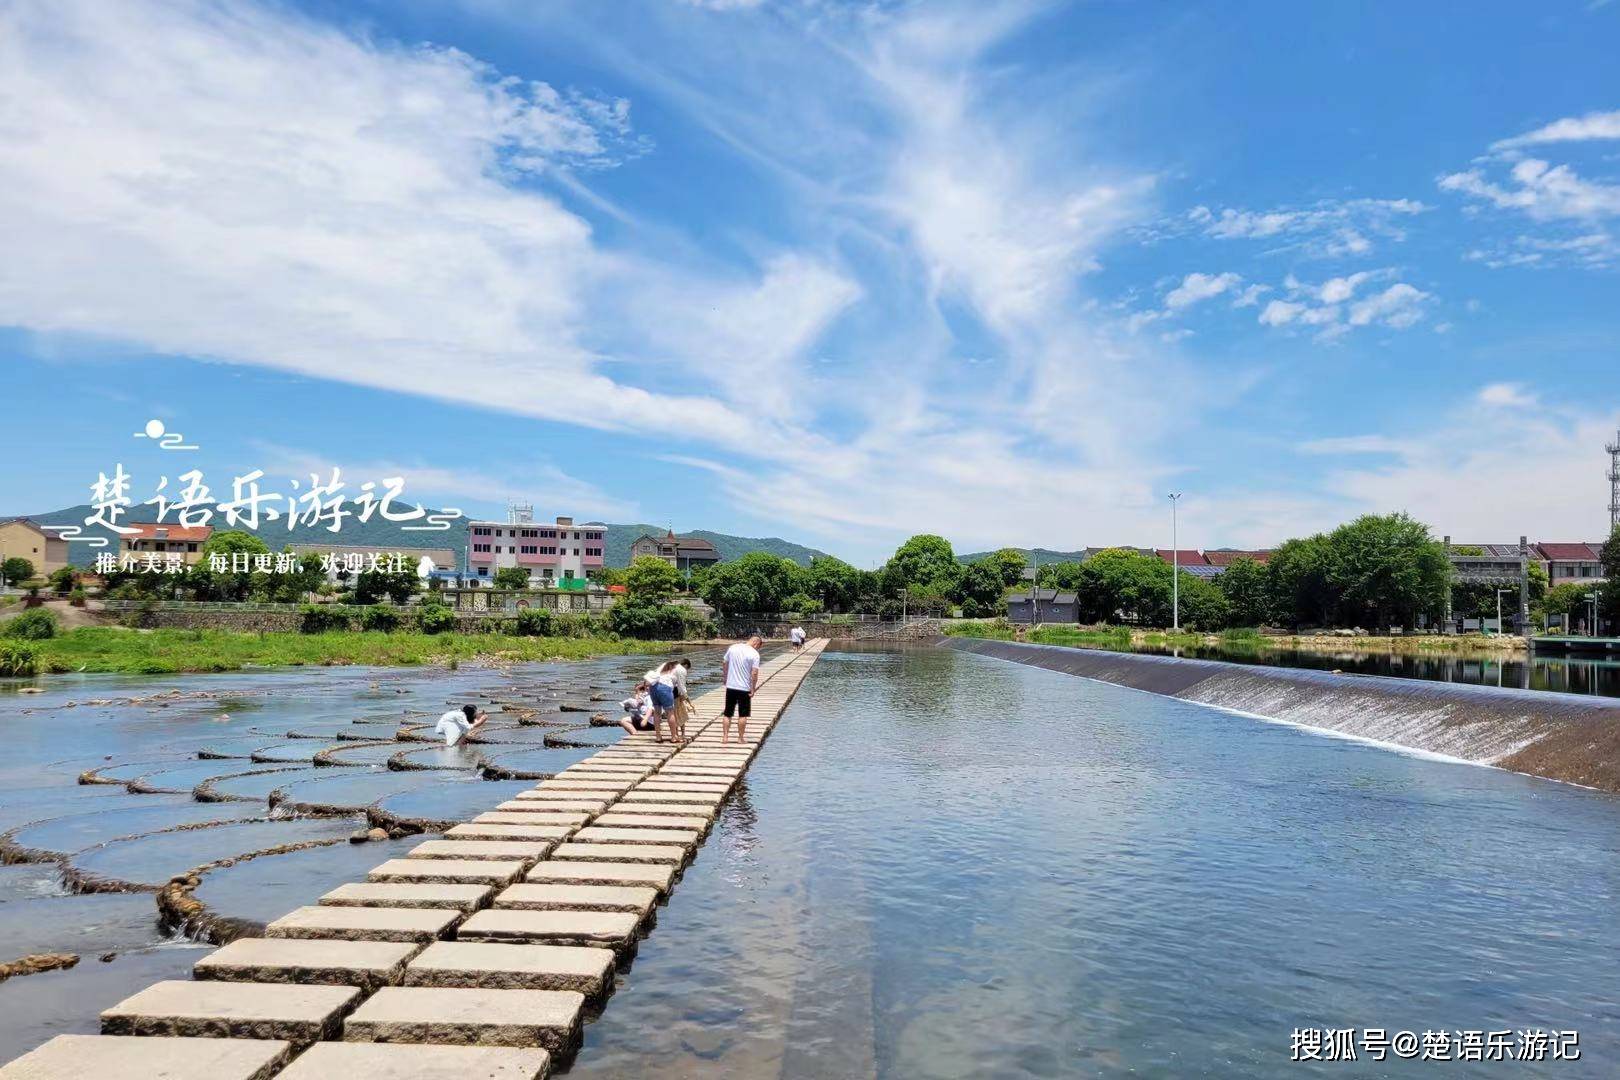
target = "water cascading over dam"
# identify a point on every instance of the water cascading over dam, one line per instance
(1559, 736)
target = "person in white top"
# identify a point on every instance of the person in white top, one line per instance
(666, 685)
(742, 679)
(457, 724)
(796, 635)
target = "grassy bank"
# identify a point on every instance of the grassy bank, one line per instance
(162, 651)
(1242, 641)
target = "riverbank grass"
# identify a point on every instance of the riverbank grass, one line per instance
(150, 652)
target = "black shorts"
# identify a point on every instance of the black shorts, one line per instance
(643, 725)
(739, 703)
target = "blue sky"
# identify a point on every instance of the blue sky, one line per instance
(837, 272)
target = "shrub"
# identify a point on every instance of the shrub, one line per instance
(378, 617)
(533, 622)
(78, 596)
(436, 619)
(17, 659)
(63, 580)
(35, 625)
(630, 619)
(321, 618)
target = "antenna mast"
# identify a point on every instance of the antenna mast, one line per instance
(1614, 483)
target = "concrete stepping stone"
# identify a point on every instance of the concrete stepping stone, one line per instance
(522, 814)
(448, 871)
(696, 787)
(602, 873)
(221, 1010)
(668, 854)
(484, 830)
(499, 966)
(365, 923)
(697, 825)
(466, 898)
(636, 899)
(325, 962)
(558, 799)
(724, 771)
(704, 810)
(593, 765)
(521, 850)
(603, 786)
(605, 834)
(699, 798)
(423, 1061)
(615, 929)
(127, 1057)
(468, 1017)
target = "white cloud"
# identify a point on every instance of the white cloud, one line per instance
(1338, 290)
(1506, 395)
(1594, 125)
(1358, 444)
(1196, 288)
(1399, 307)
(1280, 313)
(1329, 228)
(1332, 306)
(1543, 191)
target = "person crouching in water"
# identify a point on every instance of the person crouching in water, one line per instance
(637, 711)
(457, 724)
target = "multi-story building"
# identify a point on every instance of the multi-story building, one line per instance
(22, 538)
(341, 560)
(183, 540)
(1581, 564)
(551, 553)
(684, 553)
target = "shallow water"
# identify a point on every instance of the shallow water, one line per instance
(944, 865)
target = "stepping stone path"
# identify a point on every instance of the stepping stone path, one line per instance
(474, 956)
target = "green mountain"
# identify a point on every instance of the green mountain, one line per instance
(1046, 555)
(379, 533)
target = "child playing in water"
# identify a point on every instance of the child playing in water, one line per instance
(637, 711)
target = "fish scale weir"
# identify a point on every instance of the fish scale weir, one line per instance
(482, 953)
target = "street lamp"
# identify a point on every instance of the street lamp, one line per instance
(1592, 598)
(1175, 566)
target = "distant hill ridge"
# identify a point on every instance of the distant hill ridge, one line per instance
(1047, 555)
(380, 533)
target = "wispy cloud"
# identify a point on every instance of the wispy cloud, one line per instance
(1594, 125)
(1329, 228)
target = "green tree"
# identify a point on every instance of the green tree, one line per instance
(398, 585)
(757, 582)
(207, 583)
(924, 562)
(980, 588)
(510, 577)
(1244, 584)
(1297, 582)
(1384, 569)
(1009, 563)
(1124, 584)
(16, 569)
(1061, 575)
(1609, 594)
(63, 579)
(833, 582)
(295, 587)
(1204, 606)
(651, 580)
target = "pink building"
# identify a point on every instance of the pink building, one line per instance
(562, 551)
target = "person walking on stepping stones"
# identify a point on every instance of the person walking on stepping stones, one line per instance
(457, 724)
(742, 679)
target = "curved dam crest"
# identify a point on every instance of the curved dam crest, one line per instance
(1558, 736)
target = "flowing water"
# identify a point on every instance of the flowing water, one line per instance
(946, 865)
(191, 772)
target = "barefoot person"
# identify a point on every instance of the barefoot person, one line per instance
(742, 679)
(666, 686)
(796, 635)
(457, 724)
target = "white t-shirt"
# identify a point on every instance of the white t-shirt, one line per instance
(674, 678)
(797, 635)
(452, 726)
(742, 660)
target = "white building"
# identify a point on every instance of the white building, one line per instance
(552, 553)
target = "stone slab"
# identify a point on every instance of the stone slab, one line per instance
(701, 798)
(408, 895)
(364, 923)
(220, 1010)
(615, 929)
(128, 1057)
(603, 873)
(528, 816)
(429, 1014)
(317, 961)
(536, 795)
(696, 825)
(635, 899)
(417, 1061)
(505, 850)
(605, 834)
(486, 830)
(705, 809)
(448, 871)
(665, 854)
(684, 785)
(532, 801)
(501, 966)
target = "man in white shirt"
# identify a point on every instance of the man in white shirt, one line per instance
(457, 724)
(742, 678)
(796, 635)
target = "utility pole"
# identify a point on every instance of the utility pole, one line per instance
(1175, 565)
(1614, 483)
(1035, 591)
